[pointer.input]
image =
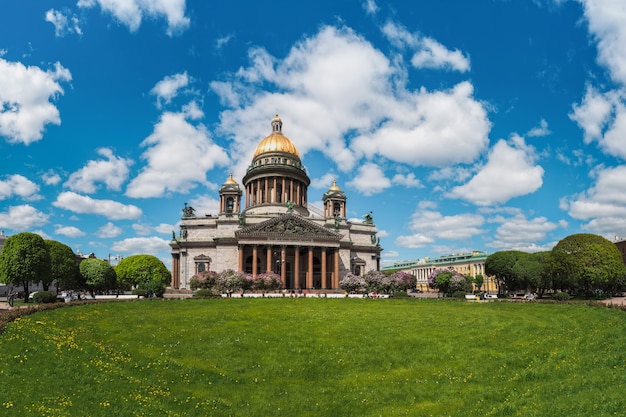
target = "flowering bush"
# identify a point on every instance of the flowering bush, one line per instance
(204, 280)
(403, 280)
(268, 281)
(352, 283)
(230, 280)
(449, 281)
(377, 281)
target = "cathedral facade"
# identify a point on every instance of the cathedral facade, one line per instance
(267, 225)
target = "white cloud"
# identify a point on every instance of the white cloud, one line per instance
(414, 241)
(518, 232)
(168, 87)
(178, 155)
(324, 182)
(109, 230)
(18, 185)
(131, 12)
(407, 180)
(69, 231)
(509, 172)
(63, 25)
(607, 24)
(370, 6)
(141, 245)
(51, 178)
(338, 94)
(428, 126)
(454, 227)
(22, 218)
(205, 205)
(112, 172)
(166, 228)
(541, 130)
(220, 42)
(25, 100)
(370, 179)
(604, 204)
(81, 204)
(428, 53)
(142, 229)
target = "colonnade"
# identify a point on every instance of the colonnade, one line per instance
(298, 266)
(275, 189)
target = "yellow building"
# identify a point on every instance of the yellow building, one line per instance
(468, 264)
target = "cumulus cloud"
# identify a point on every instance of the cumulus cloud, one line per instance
(606, 20)
(178, 155)
(25, 100)
(166, 89)
(205, 205)
(18, 186)
(520, 233)
(22, 218)
(604, 204)
(370, 179)
(541, 130)
(63, 24)
(510, 172)
(113, 172)
(338, 94)
(51, 178)
(131, 12)
(407, 180)
(110, 209)
(69, 231)
(109, 230)
(428, 53)
(141, 245)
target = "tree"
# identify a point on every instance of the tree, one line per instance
(479, 280)
(500, 265)
(63, 266)
(98, 275)
(587, 262)
(24, 258)
(145, 272)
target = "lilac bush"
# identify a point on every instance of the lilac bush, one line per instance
(403, 280)
(204, 280)
(352, 283)
(267, 281)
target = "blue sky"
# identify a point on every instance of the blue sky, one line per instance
(482, 125)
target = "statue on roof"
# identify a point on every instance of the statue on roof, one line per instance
(289, 204)
(368, 218)
(188, 211)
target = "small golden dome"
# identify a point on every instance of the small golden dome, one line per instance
(230, 180)
(276, 141)
(334, 187)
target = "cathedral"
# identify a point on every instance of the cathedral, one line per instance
(274, 229)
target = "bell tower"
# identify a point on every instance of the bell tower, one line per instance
(230, 197)
(334, 202)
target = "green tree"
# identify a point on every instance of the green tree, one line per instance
(98, 275)
(63, 266)
(501, 266)
(144, 272)
(528, 271)
(479, 280)
(585, 263)
(24, 259)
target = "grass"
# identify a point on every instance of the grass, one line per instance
(315, 357)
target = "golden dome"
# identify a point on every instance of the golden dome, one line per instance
(276, 141)
(230, 180)
(334, 187)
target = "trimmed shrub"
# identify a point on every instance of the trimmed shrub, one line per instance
(44, 297)
(561, 296)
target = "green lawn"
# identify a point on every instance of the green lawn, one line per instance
(315, 357)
